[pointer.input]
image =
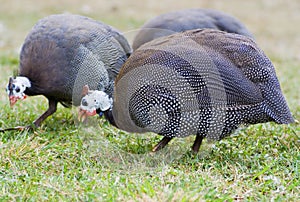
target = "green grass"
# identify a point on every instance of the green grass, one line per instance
(66, 161)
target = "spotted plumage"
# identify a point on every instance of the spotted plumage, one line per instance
(64, 52)
(188, 19)
(200, 82)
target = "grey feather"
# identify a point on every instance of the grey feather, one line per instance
(199, 82)
(64, 52)
(188, 19)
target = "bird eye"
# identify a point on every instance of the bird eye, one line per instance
(17, 89)
(84, 102)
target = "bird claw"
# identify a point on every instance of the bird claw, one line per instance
(22, 128)
(19, 128)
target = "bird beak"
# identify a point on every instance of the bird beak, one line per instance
(12, 100)
(83, 114)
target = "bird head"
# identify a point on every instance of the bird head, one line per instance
(16, 87)
(93, 100)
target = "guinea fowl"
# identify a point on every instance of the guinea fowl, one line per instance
(188, 19)
(199, 82)
(61, 54)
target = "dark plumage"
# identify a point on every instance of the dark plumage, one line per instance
(64, 52)
(200, 82)
(188, 19)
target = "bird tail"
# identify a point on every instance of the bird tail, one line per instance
(277, 106)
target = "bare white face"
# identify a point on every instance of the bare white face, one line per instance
(94, 100)
(16, 87)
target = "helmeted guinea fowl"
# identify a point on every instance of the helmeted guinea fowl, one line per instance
(188, 19)
(199, 82)
(64, 52)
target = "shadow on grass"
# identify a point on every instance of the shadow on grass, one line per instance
(112, 149)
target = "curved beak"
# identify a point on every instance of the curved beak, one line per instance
(83, 114)
(12, 100)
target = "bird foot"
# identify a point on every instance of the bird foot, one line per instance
(19, 128)
(162, 144)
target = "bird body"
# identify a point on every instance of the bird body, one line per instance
(64, 52)
(188, 19)
(200, 82)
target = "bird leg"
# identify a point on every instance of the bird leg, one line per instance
(51, 109)
(197, 143)
(20, 128)
(162, 144)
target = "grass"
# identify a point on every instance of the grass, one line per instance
(65, 161)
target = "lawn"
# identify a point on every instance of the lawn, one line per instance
(66, 161)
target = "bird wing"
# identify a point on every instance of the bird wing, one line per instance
(192, 69)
